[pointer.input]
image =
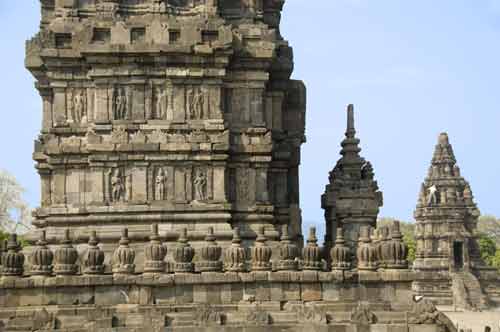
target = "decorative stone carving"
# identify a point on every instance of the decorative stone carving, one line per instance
(261, 253)
(340, 253)
(363, 315)
(366, 253)
(154, 253)
(119, 135)
(288, 252)
(196, 102)
(117, 182)
(312, 315)
(94, 257)
(65, 257)
(124, 256)
(207, 315)
(210, 254)
(200, 186)
(235, 255)
(138, 138)
(164, 102)
(258, 317)
(120, 103)
(311, 253)
(41, 257)
(158, 136)
(160, 184)
(183, 254)
(397, 249)
(78, 110)
(13, 258)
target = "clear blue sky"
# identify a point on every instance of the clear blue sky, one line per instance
(412, 68)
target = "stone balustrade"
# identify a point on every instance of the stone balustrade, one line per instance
(384, 251)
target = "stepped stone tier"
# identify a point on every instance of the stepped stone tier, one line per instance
(169, 157)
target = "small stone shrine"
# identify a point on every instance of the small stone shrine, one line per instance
(169, 157)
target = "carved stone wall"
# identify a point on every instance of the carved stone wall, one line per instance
(176, 112)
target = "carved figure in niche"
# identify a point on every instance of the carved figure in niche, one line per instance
(120, 103)
(79, 115)
(433, 192)
(196, 100)
(161, 103)
(117, 186)
(242, 186)
(160, 180)
(200, 186)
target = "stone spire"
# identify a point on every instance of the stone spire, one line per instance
(446, 215)
(352, 197)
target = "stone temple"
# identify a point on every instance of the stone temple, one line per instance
(168, 158)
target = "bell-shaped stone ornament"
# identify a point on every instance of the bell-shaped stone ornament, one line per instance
(261, 253)
(124, 256)
(311, 254)
(65, 257)
(366, 253)
(235, 255)
(13, 258)
(41, 257)
(94, 257)
(183, 254)
(154, 253)
(288, 252)
(210, 254)
(340, 253)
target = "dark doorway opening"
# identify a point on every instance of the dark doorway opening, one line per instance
(458, 254)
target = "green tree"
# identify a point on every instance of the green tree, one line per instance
(495, 261)
(487, 248)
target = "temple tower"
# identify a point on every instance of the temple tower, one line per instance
(352, 198)
(446, 216)
(176, 112)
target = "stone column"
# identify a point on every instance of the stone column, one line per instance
(59, 106)
(103, 104)
(45, 175)
(219, 183)
(47, 99)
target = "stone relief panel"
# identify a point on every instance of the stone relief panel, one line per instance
(77, 110)
(120, 103)
(163, 102)
(278, 187)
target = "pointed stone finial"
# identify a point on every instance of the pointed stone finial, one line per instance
(351, 131)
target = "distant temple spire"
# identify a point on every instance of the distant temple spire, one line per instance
(350, 145)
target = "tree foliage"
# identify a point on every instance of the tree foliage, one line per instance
(15, 214)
